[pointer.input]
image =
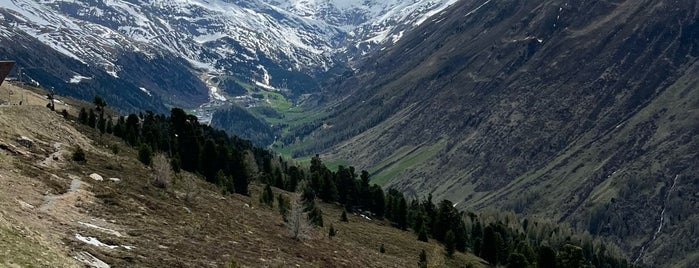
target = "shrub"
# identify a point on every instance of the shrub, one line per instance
(114, 148)
(343, 217)
(331, 231)
(161, 171)
(79, 154)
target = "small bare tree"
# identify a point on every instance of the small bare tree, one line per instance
(190, 189)
(162, 172)
(297, 221)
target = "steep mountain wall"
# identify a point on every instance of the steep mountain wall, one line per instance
(583, 111)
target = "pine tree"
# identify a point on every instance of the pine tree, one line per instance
(110, 126)
(402, 214)
(382, 249)
(517, 260)
(343, 217)
(91, 119)
(145, 154)
(283, 206)
(489, 248)
(450, 243)
(207, 161)
(571, 256)
(267, 196)
(547, 257)
(422, 234)
(422, 263)
(331, 231)
(82, 116)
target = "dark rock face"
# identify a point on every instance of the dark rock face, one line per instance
(5, 68)
(564, 109)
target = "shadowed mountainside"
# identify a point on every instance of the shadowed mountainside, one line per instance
(582, 111)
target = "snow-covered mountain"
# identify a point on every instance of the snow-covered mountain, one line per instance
(368, 23)
(226, 43)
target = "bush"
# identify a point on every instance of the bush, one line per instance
(79, 154)
(161, 171)
(331, 231)
(114, 148)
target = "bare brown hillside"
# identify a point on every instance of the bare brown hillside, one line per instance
(106, 213)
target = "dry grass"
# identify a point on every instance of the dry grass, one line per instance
(188, 224)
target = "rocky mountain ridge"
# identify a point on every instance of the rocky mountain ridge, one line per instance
(585, 112)
(226, 45)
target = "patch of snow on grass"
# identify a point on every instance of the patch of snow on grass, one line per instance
(145, 91)
(215, 95)
(78, 78)
(113, 73)
(101, 229)
(90, 260)
(267, 87)
(93, 241)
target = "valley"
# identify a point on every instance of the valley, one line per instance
(583, 113)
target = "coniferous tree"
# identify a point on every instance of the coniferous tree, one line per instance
(294, 177)
(267, 196)
(315, 215)
(378, 205)
(422, 263)
(283, 206)
(331, 231)
(402, 214)
(489, 248)
(571, 256)
(110, 126)
(501, 249)
(131, 129)
(102, 125)
(145, 154)
(422, 234)
(82, 116)
(207, 160)
(450, 243)
(382, 249)
(526, 251)
(240, 183)
(343, 217)
(91, 119)
(517, 260)
(547, 257)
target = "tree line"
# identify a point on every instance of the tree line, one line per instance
(232, 163)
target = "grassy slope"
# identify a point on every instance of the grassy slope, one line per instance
(189, 224)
